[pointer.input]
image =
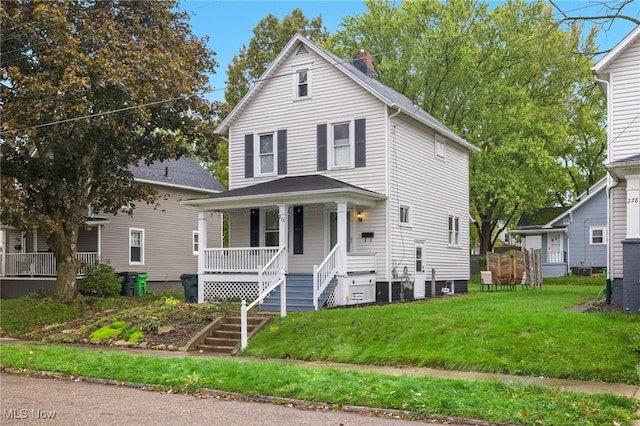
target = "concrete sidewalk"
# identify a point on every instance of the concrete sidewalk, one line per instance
(631, 391)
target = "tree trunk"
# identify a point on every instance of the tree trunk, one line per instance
(485, 238)
(63, 241)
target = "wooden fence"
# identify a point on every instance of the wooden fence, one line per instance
(516, 267)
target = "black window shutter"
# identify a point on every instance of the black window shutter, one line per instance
(255, 228)
(297, 229)
(282, 152)
(360, 143)
(322, 147)
(248, 156)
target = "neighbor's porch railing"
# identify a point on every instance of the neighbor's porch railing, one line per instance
(42, 264)
(551, 256)
(237, 259)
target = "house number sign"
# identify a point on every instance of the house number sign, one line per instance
(633, 200)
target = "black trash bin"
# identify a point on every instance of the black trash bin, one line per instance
(128, 282)
(190, 284)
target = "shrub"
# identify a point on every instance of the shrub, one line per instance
(101, 281)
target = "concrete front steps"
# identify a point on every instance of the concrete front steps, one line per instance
(223, 336)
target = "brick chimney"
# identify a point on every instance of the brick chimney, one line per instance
(363, 61)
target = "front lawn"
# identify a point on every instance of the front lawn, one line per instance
(523, 332)
(501, 402)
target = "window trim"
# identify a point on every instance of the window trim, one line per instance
(331, 144)
(453, 230)
(141, 231)
(295, 71)
(604, 235)
(257, 164)
(440, 142)
(409, 208)
(195, 242)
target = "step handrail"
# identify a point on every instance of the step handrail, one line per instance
(323, 274)
(272, 268)
(281, 281)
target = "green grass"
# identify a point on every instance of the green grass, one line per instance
(522, 332)
(512, 402)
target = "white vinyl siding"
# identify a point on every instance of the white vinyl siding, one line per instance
(625, 108)
(624, 134)
(437, 189)
(336, 98)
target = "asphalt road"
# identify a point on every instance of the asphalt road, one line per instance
(41, 401)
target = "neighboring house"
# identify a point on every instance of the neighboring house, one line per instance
(572, 239)
(329, 168)
(618, 75)
(159, 240)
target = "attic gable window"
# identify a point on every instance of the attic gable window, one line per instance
(301, 82)
(441, 148)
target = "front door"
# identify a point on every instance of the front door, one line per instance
(419, 285)
(555, 250)
(333, 230)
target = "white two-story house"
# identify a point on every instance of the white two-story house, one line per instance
(618, 75)
(340, 185)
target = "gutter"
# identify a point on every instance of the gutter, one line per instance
(388, 189)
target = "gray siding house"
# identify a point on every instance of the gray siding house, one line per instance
(339, 185)
(161, 240)
(572, 239)
(618, 76)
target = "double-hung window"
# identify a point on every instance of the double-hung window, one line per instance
(194, 242)
(441, 148)
(266, 154)
(405, 215)
(303, 83)
(597, 236)
(342, 145)
(136, 246)
(454, 231)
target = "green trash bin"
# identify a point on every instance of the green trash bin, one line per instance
(190, 284)
(128, 283)
(141, 284)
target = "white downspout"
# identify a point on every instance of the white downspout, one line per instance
(389, 197)
(611, 181)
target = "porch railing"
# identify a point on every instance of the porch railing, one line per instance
(323, 274)
(237, 259)
(42, 264)
(551, 256)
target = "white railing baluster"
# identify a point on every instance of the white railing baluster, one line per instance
(323, 274)
(237, 259)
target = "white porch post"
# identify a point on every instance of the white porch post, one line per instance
(99, 252)
(633, 206)
(283, 231)
(342, 237)
(202, 240)
(202, 245)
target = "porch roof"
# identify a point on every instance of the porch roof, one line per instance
(289, 190)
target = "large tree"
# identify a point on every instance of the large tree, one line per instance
(88, 88)
(503, 77)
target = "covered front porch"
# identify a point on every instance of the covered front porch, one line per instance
(27, 254)
(312, 232)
